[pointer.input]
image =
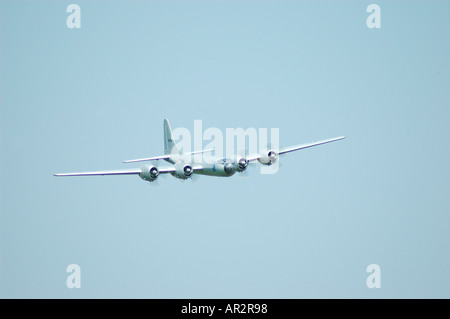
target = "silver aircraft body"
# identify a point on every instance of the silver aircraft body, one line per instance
(184, 167)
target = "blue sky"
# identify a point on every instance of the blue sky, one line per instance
(86, 99)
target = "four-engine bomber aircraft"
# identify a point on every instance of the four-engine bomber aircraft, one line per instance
(183, 169)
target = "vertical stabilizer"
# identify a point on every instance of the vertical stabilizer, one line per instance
(169, 144)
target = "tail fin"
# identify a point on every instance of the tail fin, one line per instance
(169, 144)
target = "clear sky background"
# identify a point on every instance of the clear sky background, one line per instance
(86, 99)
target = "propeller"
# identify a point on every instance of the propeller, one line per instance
(155, 183)
(274, 156)
(244, 163)
(246, 173)
(154, 171)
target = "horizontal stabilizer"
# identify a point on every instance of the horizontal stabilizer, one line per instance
(155, 158)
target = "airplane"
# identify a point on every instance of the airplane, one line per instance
(184, 169)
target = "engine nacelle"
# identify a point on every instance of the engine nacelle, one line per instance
(149, 173)
(183, 171)
(268, 157)
(241, 164)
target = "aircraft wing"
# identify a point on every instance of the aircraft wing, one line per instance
(197, 167)
(115, 172)
(302, 146)
(298, 147)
